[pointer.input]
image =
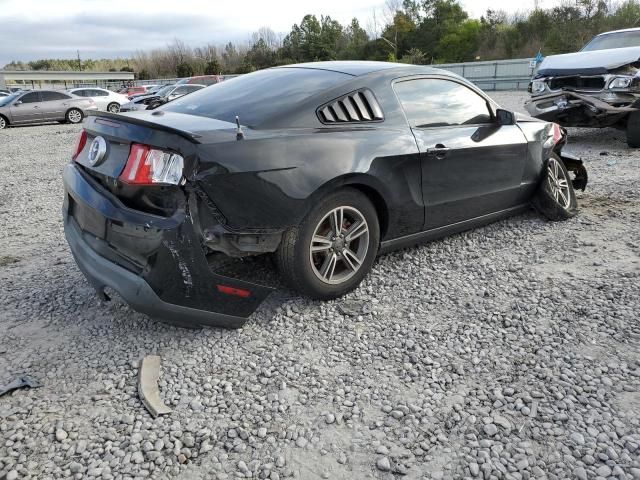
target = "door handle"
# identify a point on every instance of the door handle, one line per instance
(440, 151)
(36, 106)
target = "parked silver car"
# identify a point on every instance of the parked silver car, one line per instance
(38, 106)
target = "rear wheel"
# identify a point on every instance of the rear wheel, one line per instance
(113, 107)
(74, 115)
(333, 248)
(633, 129)
(555, 197)
(3, 122)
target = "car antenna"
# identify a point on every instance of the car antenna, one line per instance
(239, 132)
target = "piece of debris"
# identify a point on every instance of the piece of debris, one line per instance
(604, 154)
(353, 308)
(611, 162)
(148, 375)
(20, 382)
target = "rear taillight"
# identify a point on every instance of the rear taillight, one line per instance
(150, 166)
(80, 143)
(554, 135)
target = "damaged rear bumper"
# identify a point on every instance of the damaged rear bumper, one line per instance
(575, 109)
(156, 264)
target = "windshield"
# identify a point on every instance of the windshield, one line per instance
(7, 100)
(613, 40)
(164, 90)
(256, 96)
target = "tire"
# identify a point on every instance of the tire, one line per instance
(326, 272)
(113, 107)
(4, 123)
(555, 197)
(74, 116)
(633, 129)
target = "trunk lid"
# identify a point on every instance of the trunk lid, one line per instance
(173, 132)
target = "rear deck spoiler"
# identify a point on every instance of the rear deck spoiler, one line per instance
(119, 118)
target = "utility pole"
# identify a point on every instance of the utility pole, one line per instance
(79, 62)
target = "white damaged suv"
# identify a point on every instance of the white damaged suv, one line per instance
(599, 86)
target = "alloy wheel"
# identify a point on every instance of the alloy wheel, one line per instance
(75, 116)
(3, 123)
(339, 245)
(114, 108)
(558, 183)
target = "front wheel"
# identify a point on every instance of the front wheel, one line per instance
(333, 248)
(74, 116)
(3, 123)
(633, 130)
(556, 198)
(113, 107)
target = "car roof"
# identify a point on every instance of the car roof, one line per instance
(636, 29)
(357, 68)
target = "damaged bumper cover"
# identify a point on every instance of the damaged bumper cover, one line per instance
(154, 263)
(578, 109)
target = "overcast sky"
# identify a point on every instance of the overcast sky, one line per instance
(34, 29)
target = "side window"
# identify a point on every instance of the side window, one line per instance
(98, 93)
(50, 96)
(431, 102)
(80, 93)
(32, 97)
(192, 88)
(181, 90)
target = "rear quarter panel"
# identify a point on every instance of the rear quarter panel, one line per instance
(534, 131)
(271, 179)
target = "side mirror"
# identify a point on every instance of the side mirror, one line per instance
(19, 102)
(505, 117)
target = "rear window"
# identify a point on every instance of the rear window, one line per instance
(256, 96)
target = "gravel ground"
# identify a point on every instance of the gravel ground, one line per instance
(509, 351)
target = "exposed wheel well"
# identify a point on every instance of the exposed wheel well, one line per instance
(378, 202)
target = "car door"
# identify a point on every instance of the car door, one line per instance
(471, 165)
(54, 105)
(100, 97)
(26, 109)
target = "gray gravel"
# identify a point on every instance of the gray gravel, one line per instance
(509, 351)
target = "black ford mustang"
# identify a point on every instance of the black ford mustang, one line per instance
(326, 165)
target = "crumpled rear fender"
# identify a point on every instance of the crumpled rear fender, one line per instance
(576, 166)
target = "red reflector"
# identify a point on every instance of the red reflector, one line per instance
(238, 292)
(80, 143)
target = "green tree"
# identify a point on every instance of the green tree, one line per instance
(260, 55)
(414, 56)
(460, 43)
(184, 70)
(212, 67)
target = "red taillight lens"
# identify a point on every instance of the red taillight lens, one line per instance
(80, 143)
(237, 292)
(554, 136)
(148, 166)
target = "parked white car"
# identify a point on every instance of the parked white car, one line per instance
(105, 99)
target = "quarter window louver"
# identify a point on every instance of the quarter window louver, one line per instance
(355, 107)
